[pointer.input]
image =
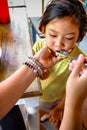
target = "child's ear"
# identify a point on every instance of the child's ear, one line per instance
(79, 39)
(43, 30)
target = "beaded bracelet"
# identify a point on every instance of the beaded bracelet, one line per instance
(35, 66)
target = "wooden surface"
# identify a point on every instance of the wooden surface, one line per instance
(14, 41)
(33, 90)
(16, 47)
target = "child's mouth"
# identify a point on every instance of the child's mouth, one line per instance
(61, 54)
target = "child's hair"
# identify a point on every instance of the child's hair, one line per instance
(62, 8)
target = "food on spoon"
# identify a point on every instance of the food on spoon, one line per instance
(57, 53)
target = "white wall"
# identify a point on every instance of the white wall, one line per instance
(45, 3)
(34, 7)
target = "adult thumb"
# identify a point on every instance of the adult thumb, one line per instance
(78, 65)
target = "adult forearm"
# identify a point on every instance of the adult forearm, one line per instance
(13, 87)
(72, 118)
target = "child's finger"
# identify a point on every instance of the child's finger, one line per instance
(44, 117)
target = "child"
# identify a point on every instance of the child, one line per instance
(64, 24)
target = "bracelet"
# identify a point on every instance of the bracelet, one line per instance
(35, 66)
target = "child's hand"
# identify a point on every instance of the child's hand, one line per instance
(55, 116)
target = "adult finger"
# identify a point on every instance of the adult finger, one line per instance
(78, 65)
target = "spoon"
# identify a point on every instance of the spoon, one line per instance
(64, 54)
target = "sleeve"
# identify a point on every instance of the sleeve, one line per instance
(77, 51)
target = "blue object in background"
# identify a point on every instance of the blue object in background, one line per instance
(86, 4)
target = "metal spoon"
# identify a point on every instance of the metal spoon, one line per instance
(64, 54)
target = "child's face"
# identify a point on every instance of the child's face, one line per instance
(62, 34)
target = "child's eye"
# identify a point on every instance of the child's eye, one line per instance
(52, 35)
(71, 38)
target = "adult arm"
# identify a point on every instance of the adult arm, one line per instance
(13, 87)
(76, 92)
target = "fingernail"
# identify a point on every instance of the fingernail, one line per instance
(80, 56)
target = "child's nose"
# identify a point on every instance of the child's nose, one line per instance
(60, 44)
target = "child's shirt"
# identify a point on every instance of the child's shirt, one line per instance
(54, 86)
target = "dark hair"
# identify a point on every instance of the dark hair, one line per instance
(62, 8)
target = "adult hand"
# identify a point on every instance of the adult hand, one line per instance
(76, 88)
(46, 58)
